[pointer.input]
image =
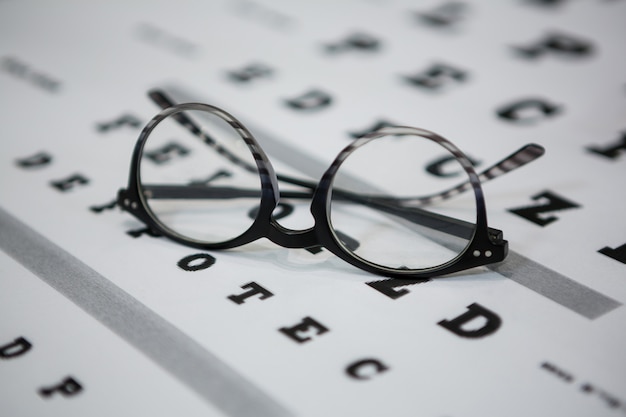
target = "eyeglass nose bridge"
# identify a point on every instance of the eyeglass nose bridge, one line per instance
(291, 238)
(282, 235)
(318, 235)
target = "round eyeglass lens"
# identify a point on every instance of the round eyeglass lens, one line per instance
(395, 202)
(198, 177)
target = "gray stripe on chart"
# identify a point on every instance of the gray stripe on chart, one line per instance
(555, 286)
(166, 345)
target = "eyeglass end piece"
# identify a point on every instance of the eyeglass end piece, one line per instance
(534, 149)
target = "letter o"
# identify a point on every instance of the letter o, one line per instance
(196, 262)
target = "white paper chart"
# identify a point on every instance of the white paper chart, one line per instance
(101, 316)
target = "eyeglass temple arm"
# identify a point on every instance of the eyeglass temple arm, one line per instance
(517, 159)
(197, 192)
(434, 221)
(415, 215)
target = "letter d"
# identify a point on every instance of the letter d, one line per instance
(14, 349)
(475, 310)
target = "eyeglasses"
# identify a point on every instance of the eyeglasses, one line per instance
(393, 202)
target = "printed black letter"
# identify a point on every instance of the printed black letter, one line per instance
(376, 126)
(554, 203)
(444, 15)
(37, 160)
(388, 286)
(437, 169)
(612, 151)
(196, 262)
(306, 324)
(143, 231)
(253, 289)
(528, 111)
(250, 72)
(475, 311)
(564, 45)
(358, 41)
(282, 210)
(67, 388)
(16, 348)
(619, 253)
(366, 369)
(102, 207)
(437, 77)
(123, 120)
(311, 100)
(166, 152)
(69, 182)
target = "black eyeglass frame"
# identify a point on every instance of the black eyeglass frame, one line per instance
(486, 245)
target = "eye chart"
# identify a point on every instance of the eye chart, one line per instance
(102, 316)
